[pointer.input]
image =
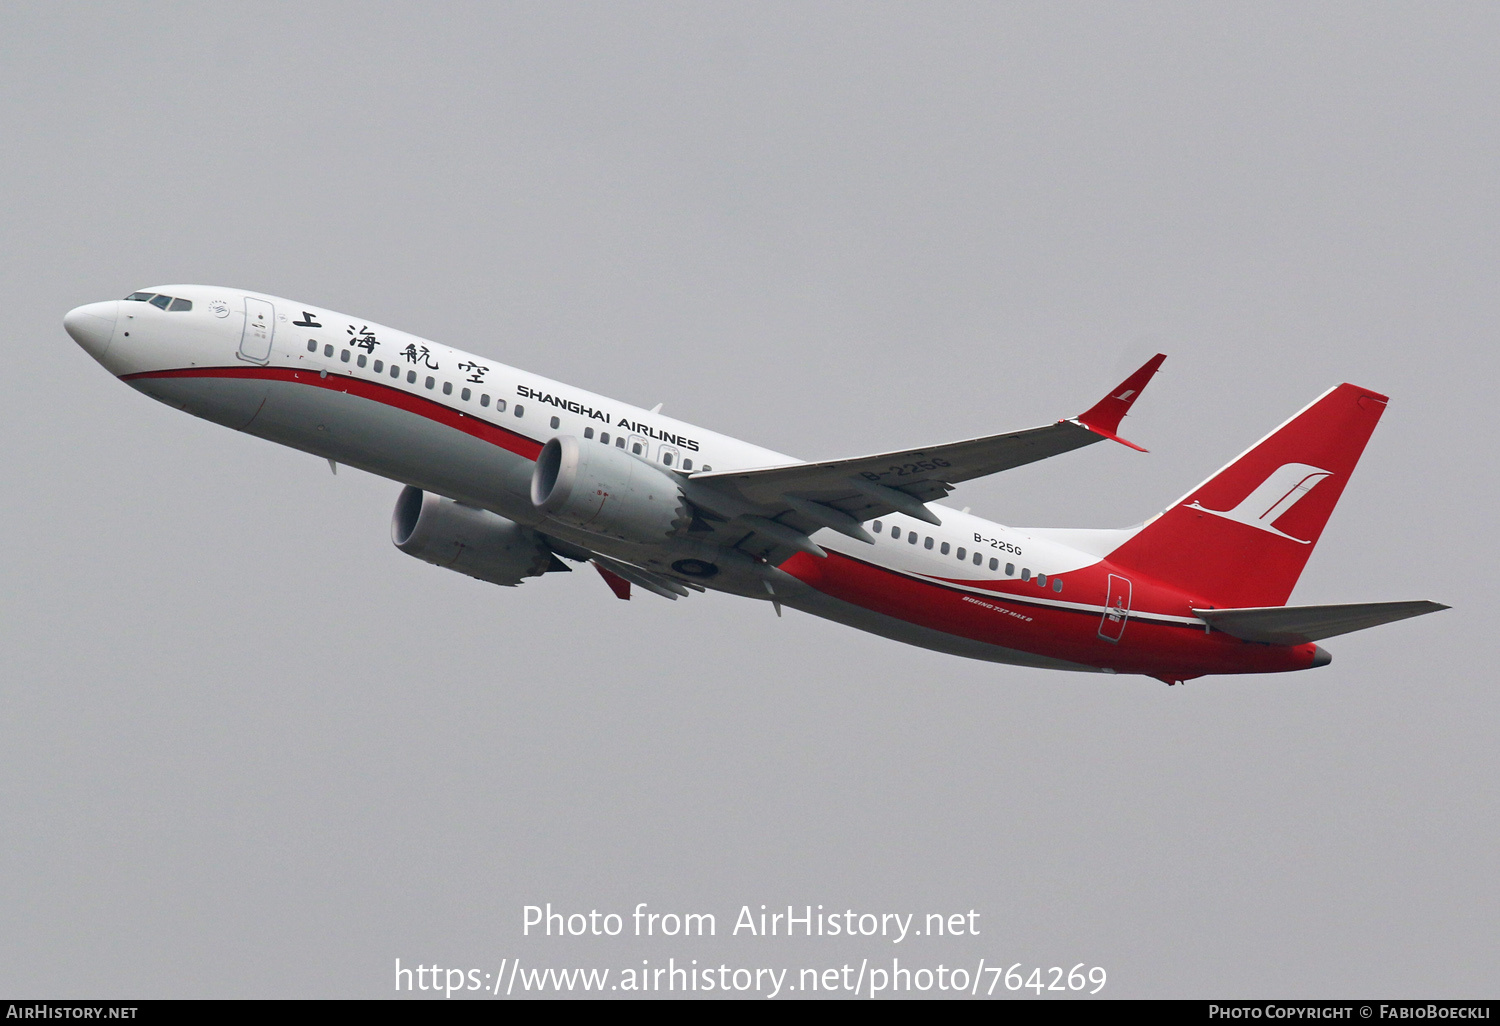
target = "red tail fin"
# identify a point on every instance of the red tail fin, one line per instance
(1242, 537)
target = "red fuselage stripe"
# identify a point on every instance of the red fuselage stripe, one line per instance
(373, 390)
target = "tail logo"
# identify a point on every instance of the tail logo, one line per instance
(1275, 496)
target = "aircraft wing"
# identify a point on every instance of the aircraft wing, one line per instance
(783, 504)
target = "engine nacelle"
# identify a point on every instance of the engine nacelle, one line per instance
(607, 491)
(472, 541)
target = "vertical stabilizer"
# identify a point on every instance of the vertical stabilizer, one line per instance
(1242, 537)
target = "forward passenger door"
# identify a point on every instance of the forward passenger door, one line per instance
(260, 328)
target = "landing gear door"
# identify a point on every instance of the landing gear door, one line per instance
(1116, 608)
(260, 327)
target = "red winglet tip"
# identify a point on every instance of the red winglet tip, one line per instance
(1104, 417)
(617, 584)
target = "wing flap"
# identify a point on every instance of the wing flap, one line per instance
(1298, 625)
(655, 583)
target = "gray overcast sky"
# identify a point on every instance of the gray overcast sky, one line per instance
(247, 748)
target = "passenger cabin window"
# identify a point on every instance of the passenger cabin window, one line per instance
(994, 564)
(1025, 574)
(395, 371)
(1041, 580)
(963, 553)
(666, 459)
(620, 442)
(588, 432)
(447, 388)
(555, 423)
(928, 543)
(520, 410)
(944, 548)
(895, 532)
(430, 381)
(1010, 569)
(379, 366)
(1057, 584)
(344, 356)
(706, 468)
(484, 400)
(464, 395)
(499, 405)
(978, 558)
(411, 377)
(687, 464)
(877, 527)
(635, 447)
(328, 351)
(312, 345)
(362, 360)
(604, 437)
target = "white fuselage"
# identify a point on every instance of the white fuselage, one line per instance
(147, 341)
(467, 427)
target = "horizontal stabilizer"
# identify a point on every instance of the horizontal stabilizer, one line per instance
(1298, 625)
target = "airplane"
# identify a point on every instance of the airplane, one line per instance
(508, 476)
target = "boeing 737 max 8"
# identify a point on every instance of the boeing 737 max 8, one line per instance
(508, 475)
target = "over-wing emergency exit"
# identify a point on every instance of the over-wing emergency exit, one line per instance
(508, 476)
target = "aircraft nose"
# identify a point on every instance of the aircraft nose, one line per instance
(92, 326)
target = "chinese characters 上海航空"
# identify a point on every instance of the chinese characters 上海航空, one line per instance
(364, 338)
(421, 355)
(476, 371)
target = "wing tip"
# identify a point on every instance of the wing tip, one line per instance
(1104, 417)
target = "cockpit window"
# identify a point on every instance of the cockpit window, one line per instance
(165, 302)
